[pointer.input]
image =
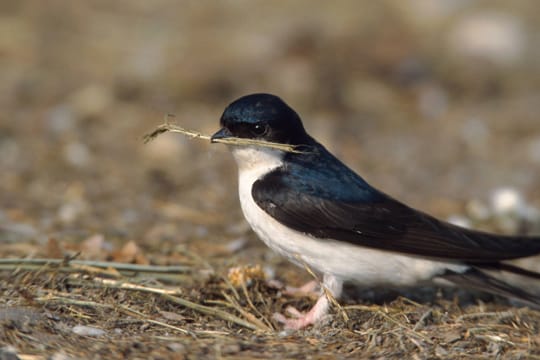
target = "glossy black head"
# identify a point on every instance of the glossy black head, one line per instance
(264, 117)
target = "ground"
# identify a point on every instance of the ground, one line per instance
(436, 103)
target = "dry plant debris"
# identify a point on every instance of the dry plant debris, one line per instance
(52, 298)
(240, 275)
(163, 128)
(47, 303)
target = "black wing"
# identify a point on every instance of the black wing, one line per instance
(330, 203)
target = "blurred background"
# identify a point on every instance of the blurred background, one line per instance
(435, 102)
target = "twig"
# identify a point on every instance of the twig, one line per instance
(233, 302)
(229, 140)
(118, 284)
(210, 311)
(250, 303)
(501, 315)
(177, 274)
(250, 317)
(31, 264)
(132, 312)
(69, 301)
(423, 319)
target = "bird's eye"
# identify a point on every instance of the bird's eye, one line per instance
(259, 129)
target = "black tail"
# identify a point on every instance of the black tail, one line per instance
(509, 268)
(476, 279)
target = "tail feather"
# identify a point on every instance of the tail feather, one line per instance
(513, 269)
(476, 279)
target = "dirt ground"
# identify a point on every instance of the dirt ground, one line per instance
(434, 102)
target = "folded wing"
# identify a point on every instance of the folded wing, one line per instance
(309, 204)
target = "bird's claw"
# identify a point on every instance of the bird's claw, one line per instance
(298, 320)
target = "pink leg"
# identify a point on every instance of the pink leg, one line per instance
(310, 289)
(317, 312)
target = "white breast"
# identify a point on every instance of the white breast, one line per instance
(345, 261)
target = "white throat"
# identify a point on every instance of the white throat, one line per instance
(256, 161)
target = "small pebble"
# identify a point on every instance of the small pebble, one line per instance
(91, 100)
(8, 353)
(61, 119)
(441, 352)
(230, 349)
(507, 200)
(236, 245)
(432, 101)
(88, 331)
(477, 210)
(60, 356)
(70, 211)
(16, 232)
(201, 231)
(176, 347)
(494, 36)
(475, 133)
(77, 154)
(11, 152)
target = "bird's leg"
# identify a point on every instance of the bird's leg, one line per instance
(317, 312)
(311, 288)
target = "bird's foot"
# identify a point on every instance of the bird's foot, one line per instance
(311, 288)
(298, 320)
(333, 288)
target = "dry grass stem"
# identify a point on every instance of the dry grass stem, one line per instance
(500, 315)
(82, 278)
(247, 315)
(233, 302)
(92, 266)
(126, 310)
(211, 311)
(117, 284)
(254, 308)
(169, 295)
(385, 315)
(166, 127)
(133, 312)
(423, 319)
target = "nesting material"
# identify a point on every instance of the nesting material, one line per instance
(239, 275)
(163, 128)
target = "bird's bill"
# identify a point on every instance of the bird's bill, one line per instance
(222, 133)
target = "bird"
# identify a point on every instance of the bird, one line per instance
(314, 210)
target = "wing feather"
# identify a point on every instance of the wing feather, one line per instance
(367, 217)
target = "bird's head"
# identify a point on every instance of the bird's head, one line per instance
(262, 117)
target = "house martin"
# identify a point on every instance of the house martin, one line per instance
(315, 211)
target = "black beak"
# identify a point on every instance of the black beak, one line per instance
(222, 133)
